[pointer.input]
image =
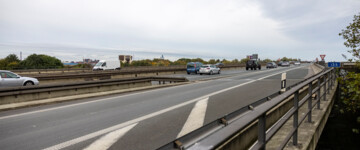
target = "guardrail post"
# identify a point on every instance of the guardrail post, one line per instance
(324, 88)
(318, 93)
(262, 131)
(310, 102)
(328, 82)
(296, 117)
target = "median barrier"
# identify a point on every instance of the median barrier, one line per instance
(31, 93)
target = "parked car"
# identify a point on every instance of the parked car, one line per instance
(271, 65)
(219, 65)
(209, 69)
(253, 64)
(193, 67)
(10, 79)
(279, 63)
(285, 64)
(297, 63)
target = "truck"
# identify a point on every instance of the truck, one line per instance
(107, 65)
(253, 64)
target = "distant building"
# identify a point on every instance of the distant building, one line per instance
(125, 58)
(162, 57)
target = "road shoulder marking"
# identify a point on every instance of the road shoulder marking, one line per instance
(196, 117)
(109, 139)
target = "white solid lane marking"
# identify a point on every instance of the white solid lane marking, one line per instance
(87, 137)
(196, 117)
(109, 139)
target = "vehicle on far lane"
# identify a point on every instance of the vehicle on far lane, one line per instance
(271, 65)
(193, 67)
(10, 79)
(285, 64)
(107, 65)
(297, 63)
(209, 69)
(219, 65)
(253, 64)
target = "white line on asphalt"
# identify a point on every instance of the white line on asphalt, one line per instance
(109, 139)
(89, 136)
(278, 73)
(196, 117)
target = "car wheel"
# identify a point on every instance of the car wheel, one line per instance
(211, 73)
(259, 68)
(252, 68)
(200, 73)
(28, 83)
(219, 72)
(247, 68)
(188, 72)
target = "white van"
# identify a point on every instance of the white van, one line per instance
(107, 65)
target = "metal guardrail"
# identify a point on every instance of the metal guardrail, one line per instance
(215, 133)
(85, 84)
(89, 70)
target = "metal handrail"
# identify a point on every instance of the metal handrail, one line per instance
(215, 133)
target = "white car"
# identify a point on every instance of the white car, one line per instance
(297, 63)
(209, 69)
(10, 79)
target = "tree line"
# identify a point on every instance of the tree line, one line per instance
(34, 61)
(41, 61)
(184, 61)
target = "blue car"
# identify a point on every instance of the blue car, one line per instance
(193, 67)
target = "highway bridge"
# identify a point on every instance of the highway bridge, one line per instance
(154, 118)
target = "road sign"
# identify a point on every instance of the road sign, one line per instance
(322, 56)
(334, 64)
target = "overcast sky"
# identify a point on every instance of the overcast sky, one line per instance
(104, 29)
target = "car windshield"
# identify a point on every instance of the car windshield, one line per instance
(190, 66)
(99, 64)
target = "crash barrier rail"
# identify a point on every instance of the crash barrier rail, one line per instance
(221, 133)
(102, 75)
(29, 93)
(88, 70)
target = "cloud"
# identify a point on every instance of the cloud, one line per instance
(207, 28)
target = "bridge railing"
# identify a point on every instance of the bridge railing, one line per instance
(218, 134)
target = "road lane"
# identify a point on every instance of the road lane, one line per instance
(60, 125)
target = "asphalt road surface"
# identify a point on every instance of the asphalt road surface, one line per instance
(140, 120)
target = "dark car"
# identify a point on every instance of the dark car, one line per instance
(219, 65)
(253, 64)
(271, 65)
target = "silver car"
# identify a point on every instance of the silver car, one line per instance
(10, 79)
(209, 69)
